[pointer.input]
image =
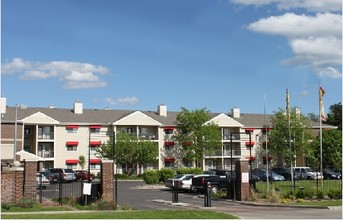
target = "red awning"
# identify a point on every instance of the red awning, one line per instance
(96, 161)
(71, 161)
(251, 158)
(169, 160)
(266, 129)
(169, 143)
(169, 128)
(72, 143)
(95, 143)
(72, 126)
(95, 126)
(249, 143)
(249, 129)
(267, 158)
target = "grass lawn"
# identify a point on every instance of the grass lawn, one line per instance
(151, 214)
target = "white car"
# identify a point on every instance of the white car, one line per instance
(307, 173)
(185, 183)
(42, 181)
(171, 182)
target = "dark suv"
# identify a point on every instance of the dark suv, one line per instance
(62, 174)
(283, 171)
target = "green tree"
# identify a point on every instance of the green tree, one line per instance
(332, 149)
(82, 161)
(196, 135)
(334, 117)
(129, 150)
(300, 134)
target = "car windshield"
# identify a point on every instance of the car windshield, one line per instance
(69, 171)
(179, 176)
(309, 170)
(188, 177)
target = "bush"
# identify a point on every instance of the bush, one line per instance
(320, 194)
(335, 194)
(165, 174)
(304, 193)
(186, 170)
(151, 177)
(273, 196)
(25, 203)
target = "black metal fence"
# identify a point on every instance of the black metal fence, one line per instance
(67, 193)
(312, 187)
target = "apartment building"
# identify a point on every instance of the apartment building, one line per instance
(56, 137)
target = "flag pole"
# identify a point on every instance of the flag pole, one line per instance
(321, 116)
(288, 113)
(267, 155)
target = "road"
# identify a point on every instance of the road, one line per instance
(137, 195)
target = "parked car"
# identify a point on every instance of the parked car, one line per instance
(185, 183)
(42, 181)
(50, 176)
(83, 174)
(171, 182)
(330, 174)
(63, 174)
(272, 176)
(307, 173)
(283, 171)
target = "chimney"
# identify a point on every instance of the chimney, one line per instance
(3, 105)
(162, 110)
(235, 112)
(78, 107)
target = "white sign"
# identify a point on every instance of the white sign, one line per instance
(245, 177)
(87, 188)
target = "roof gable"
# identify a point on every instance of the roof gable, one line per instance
(222, 120)
(39, 118)
(137, 118)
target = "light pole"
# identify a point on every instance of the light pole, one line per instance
(15, 133)
(115, 173)
(89, 156)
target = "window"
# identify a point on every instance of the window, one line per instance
(169, 164)
(27, 131)
(71, 148)
(71, 130)
(72, 166)
(95, 128)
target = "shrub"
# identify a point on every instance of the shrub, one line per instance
(320, 194)
(25, 203)
(103, 205)
(6, 206)
(186, 170)
(273, 196)
(165, 174)
(151, 177)
(335, 194)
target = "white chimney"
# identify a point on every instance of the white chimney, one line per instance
(78, 107)
(3, 105)
(162, 110)
(235, 112)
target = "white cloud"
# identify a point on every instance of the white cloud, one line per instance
(293, 25)
(74, 75)
(309, 5)
(122, 101)
(316, 41)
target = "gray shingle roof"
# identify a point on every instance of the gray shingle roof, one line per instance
(102, 116)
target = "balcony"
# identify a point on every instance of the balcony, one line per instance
(148, 136)
(45, 154)
(46, 136)
(234, 153)
(227, 137)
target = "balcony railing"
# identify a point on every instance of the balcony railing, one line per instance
(227, 137)
(234, 152)
(46, 154)
(46, 136)
(148, 136)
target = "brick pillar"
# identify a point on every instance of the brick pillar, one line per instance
(19, 189)
(242, 180)
(107, 180)
(30, 181)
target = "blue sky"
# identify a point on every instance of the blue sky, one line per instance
(137, 54)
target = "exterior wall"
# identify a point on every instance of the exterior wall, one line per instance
(12, 185)
(7, 140)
